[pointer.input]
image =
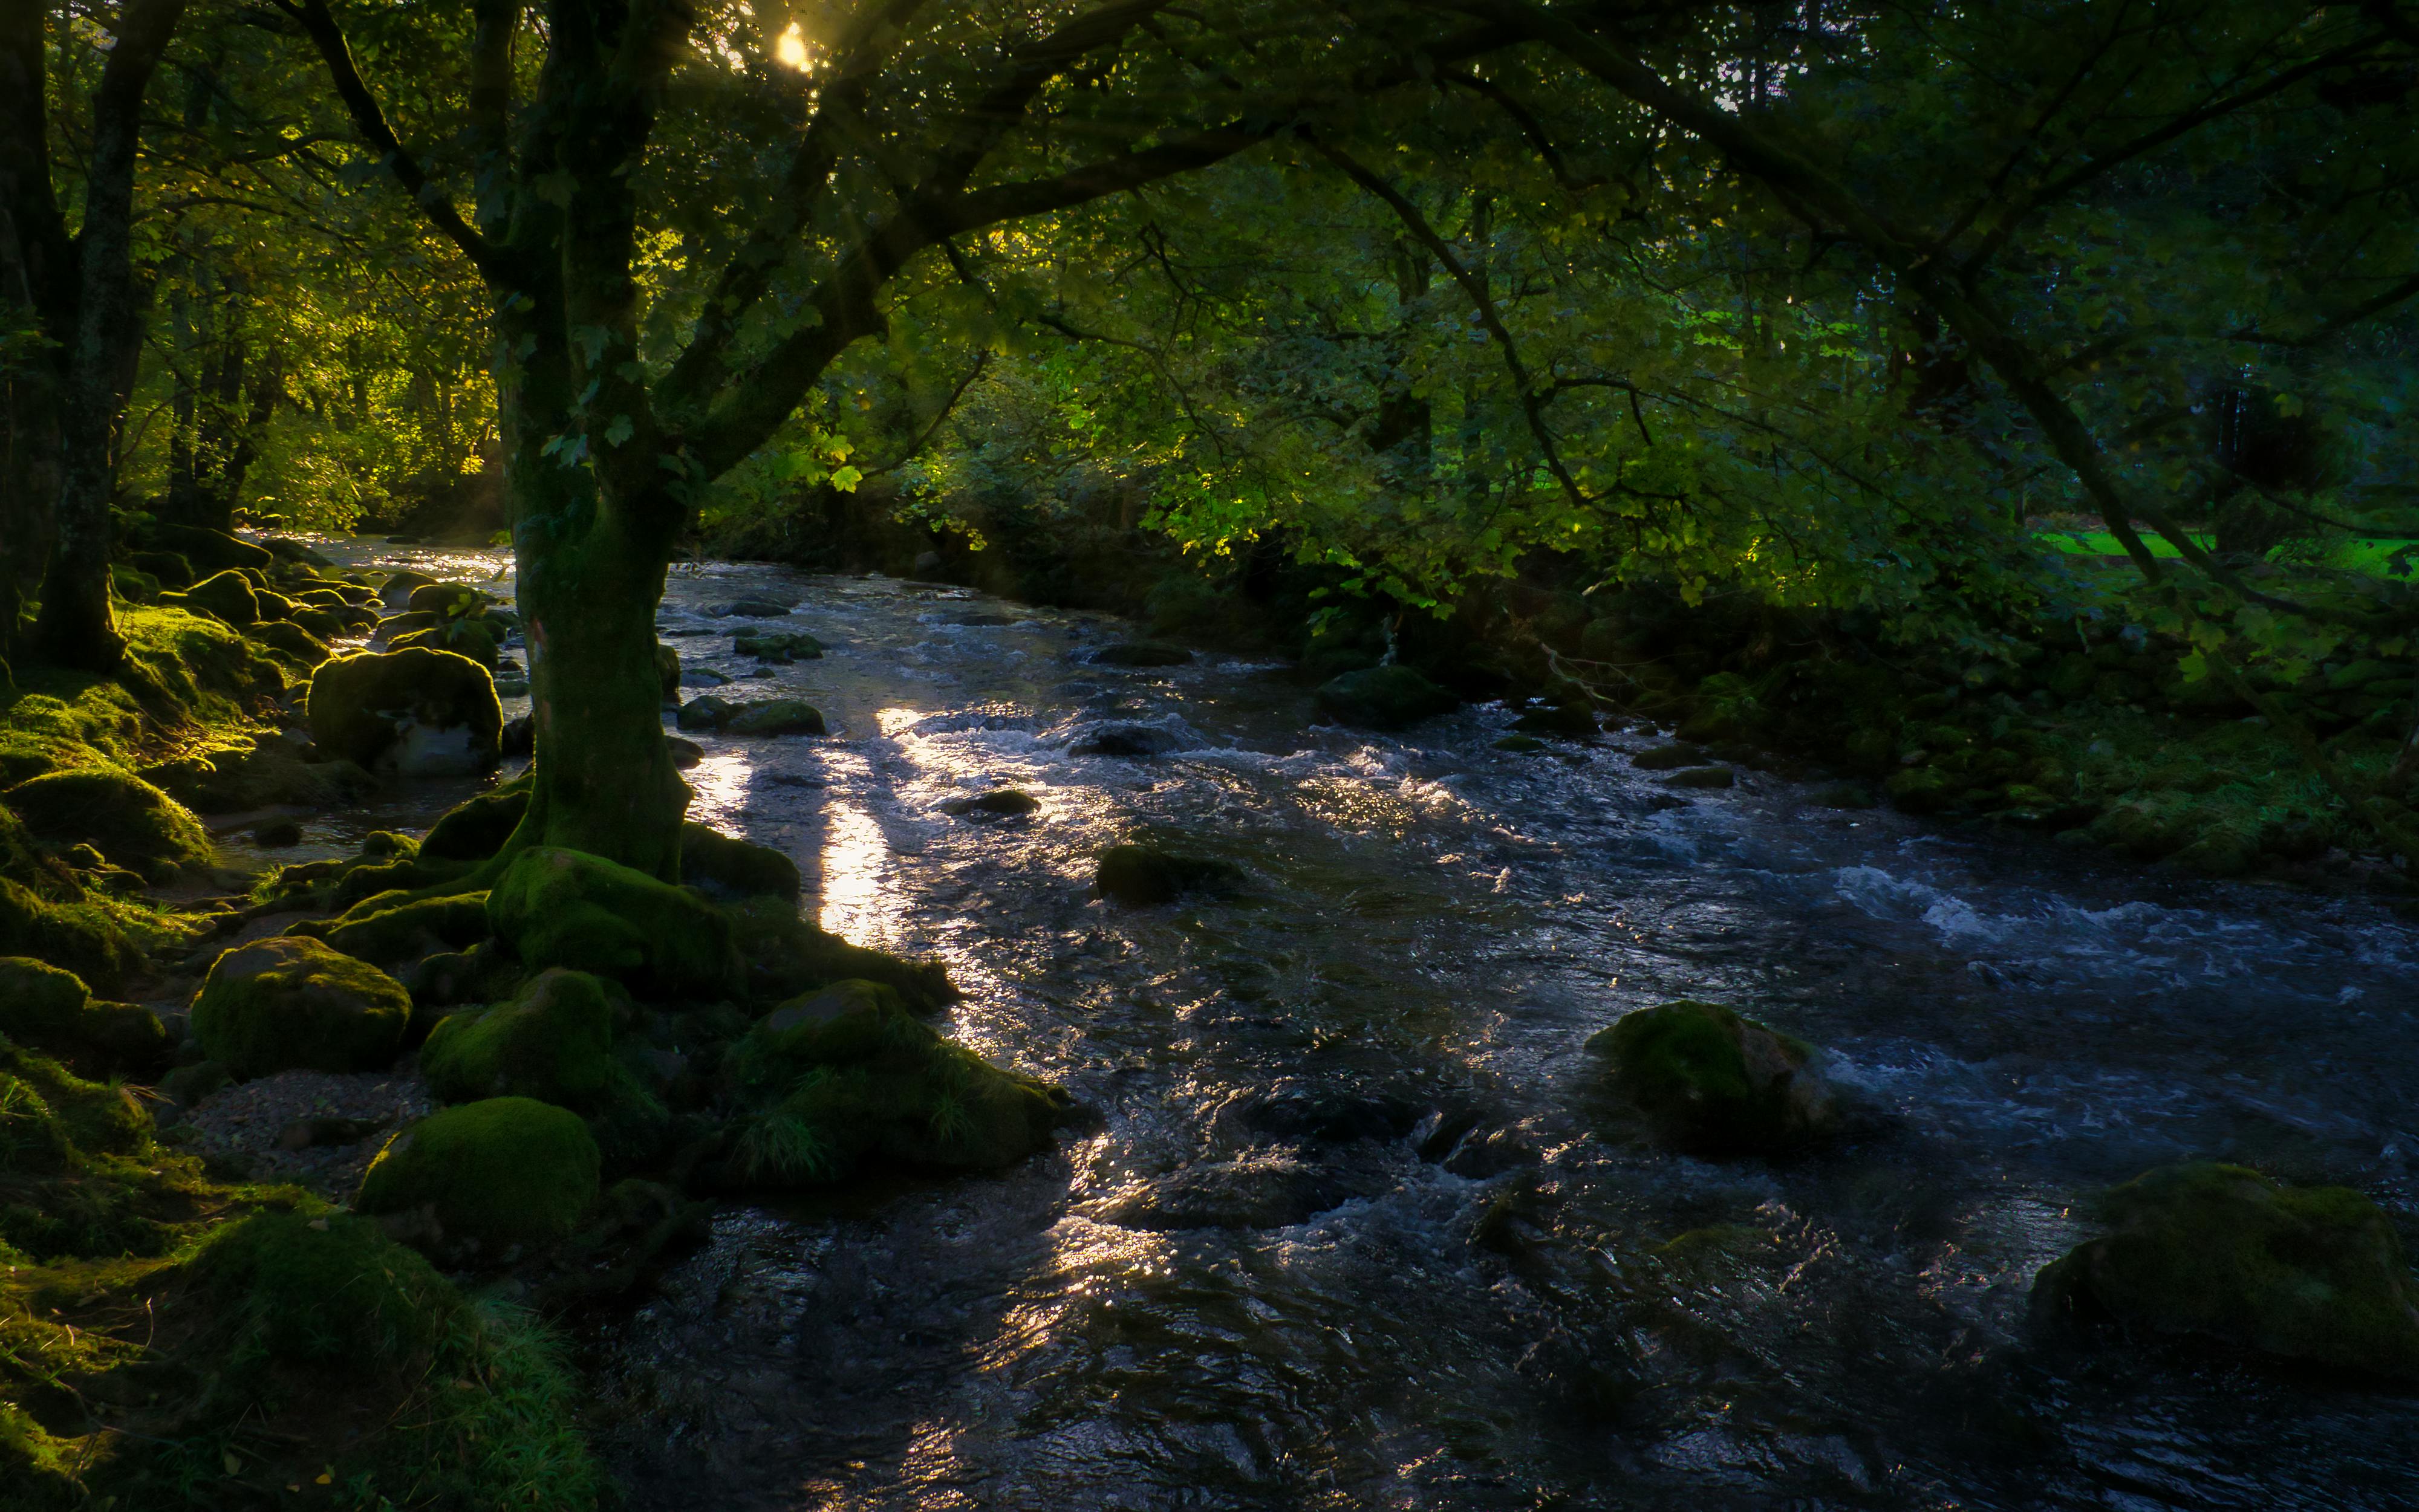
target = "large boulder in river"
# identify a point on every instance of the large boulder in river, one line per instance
(486, 1181)
(1384, 697)
(775, 716)
(845, 1074)
(416, 713)
(294, 1003)
(567, 908)
(1713, 1081)
(2305, 1273)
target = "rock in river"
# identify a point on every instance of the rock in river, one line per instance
(1713, 1081)
(2305, 1273)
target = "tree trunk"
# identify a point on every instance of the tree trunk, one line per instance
(592, 570)
(75, 627)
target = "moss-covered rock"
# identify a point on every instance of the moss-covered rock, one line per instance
(2313, 1273)
(328, 1289)
(476, 639)
(1713, 1081)
(1142, 875)
(999, 804)
(207, 549)
(293, 1003)
(775, 716)
(271, 769)
(227, 596)
(126, 818)
(705, 714)
(1701, 777)
(488, 1180)
(775, 646)
(554, 1042)
(290, 638)
(566, 908)
(51, 1010)
(786, 955)
(478, 828)
(391, 936)
(415, 712)
(845, 1074)
(453, 598)
(77, 937)
(169, 569)
(668, 671)
(729, 869)
(1389, 697)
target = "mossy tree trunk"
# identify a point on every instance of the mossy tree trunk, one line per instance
(75, 627)
(603, 451)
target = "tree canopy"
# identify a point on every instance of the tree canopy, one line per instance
(1826, 305)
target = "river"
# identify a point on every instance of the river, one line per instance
(1349, 1225)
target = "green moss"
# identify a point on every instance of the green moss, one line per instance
(775, 716)
(785, 956)
(73, 1174)
(475, 830)
(1142, 875)
(727, 868)
(326, 1290)
(81, 938)
(360, 705)
(1712, 1080)
(296, 1003)
(565, 907)
(846, 1076)
(227, 596)
(491, 1178)
(292, 639)
(408, 930)
(50, 1010)
(473, 638)
(2312, 1273)
(1384, 697)
(128, 820)
(554, 1042)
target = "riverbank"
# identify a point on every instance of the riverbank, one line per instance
(1358, 1058)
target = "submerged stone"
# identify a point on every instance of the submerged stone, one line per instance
(1384, 697)
(486, 1181)
(1144, 875)
(775, 646)
(1140, 653)
(1702, 777)
(1000, 803)
(1668, 758)
(2305, 1272)
(294, 1003)
(1125, 740)
(1711, 1080)
(566, 908)
(750, 609)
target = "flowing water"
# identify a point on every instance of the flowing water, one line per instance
(1350, 1224)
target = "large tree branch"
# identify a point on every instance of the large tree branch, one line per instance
(1533, 399)
(320, 26)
